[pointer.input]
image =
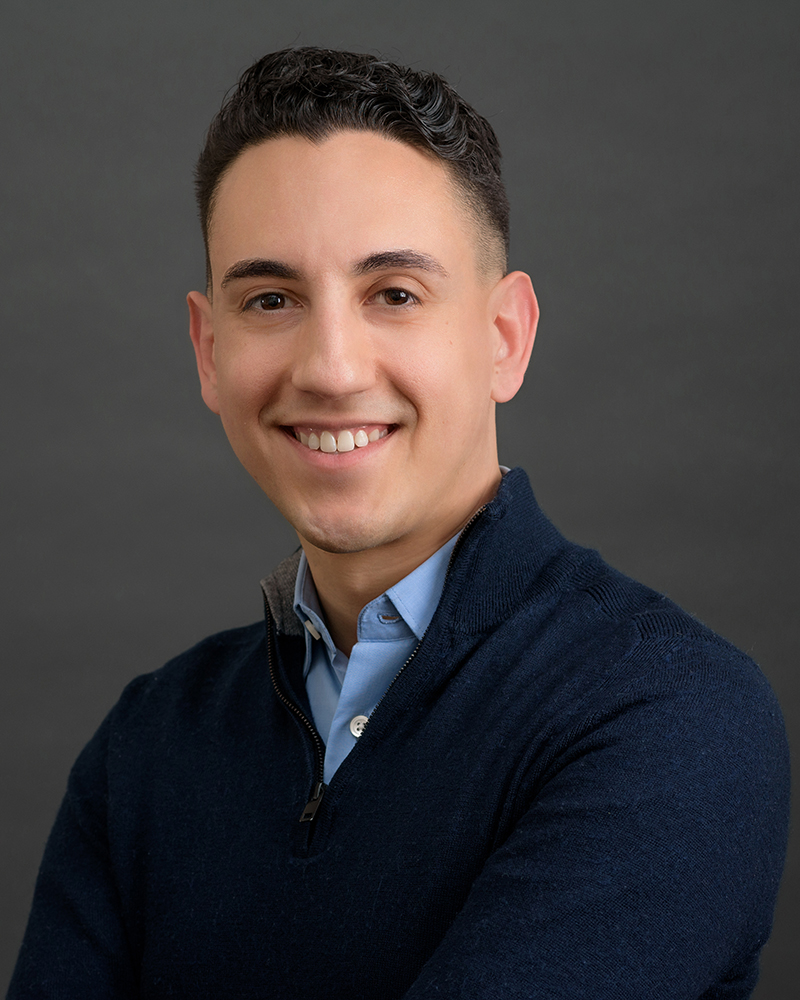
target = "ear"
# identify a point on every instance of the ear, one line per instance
(201, 331)
(515, 314)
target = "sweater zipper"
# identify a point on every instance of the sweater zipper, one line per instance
(414, 652)
(319, 786)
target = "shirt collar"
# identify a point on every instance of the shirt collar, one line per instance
(415, 597)
(308, 610)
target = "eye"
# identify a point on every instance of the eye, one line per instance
(397, 297)
(267, 302)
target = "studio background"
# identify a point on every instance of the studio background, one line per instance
(651, 157)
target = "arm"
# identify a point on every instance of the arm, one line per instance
(646, 864)
(75, 944)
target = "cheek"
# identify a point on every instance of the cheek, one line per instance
(456, 379)
(246, 380)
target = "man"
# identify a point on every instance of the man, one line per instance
(464, 758)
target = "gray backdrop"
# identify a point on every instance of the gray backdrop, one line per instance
(651, 158)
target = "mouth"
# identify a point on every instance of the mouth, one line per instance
(336, 440)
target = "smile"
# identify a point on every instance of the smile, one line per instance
(333, 441)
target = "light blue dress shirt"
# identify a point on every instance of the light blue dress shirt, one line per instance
(340, 689)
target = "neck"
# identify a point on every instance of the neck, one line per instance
(347, 581)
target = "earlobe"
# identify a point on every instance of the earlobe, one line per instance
(516, 314)
(201, 331)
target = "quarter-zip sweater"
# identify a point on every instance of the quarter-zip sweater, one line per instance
(572, 790)
(341, 689)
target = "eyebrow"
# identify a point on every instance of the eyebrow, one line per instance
(383, 260)
(260, 268)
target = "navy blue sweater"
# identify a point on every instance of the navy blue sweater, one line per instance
(572, 790)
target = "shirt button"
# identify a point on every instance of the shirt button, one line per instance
(357, 725)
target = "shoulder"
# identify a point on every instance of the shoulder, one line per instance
(590, 643)
(663, 641)
(173, 712)
(569, 628)
(213, 655)
(203, 679)
(641, 672)
(635, 692)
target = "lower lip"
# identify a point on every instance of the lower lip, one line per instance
(338, 460)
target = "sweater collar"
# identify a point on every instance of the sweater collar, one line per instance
(497, 561)
(501, 558)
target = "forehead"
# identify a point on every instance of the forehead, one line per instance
(352, 194)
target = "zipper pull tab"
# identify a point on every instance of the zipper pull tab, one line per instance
(310, 810)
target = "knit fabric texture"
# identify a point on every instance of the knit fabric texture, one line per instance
(573, 790)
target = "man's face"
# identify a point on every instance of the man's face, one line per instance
(349, 312)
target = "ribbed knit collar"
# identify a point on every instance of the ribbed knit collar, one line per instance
(497, 561)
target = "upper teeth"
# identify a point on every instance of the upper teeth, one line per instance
(345, 440)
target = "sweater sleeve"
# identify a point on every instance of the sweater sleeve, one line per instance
(646, 863)
(75, 943)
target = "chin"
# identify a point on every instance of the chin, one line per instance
(340, 535)
(341, 541)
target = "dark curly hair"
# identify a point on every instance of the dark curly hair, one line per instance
(314, 92)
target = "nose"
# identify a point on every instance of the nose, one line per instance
(333, 356)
